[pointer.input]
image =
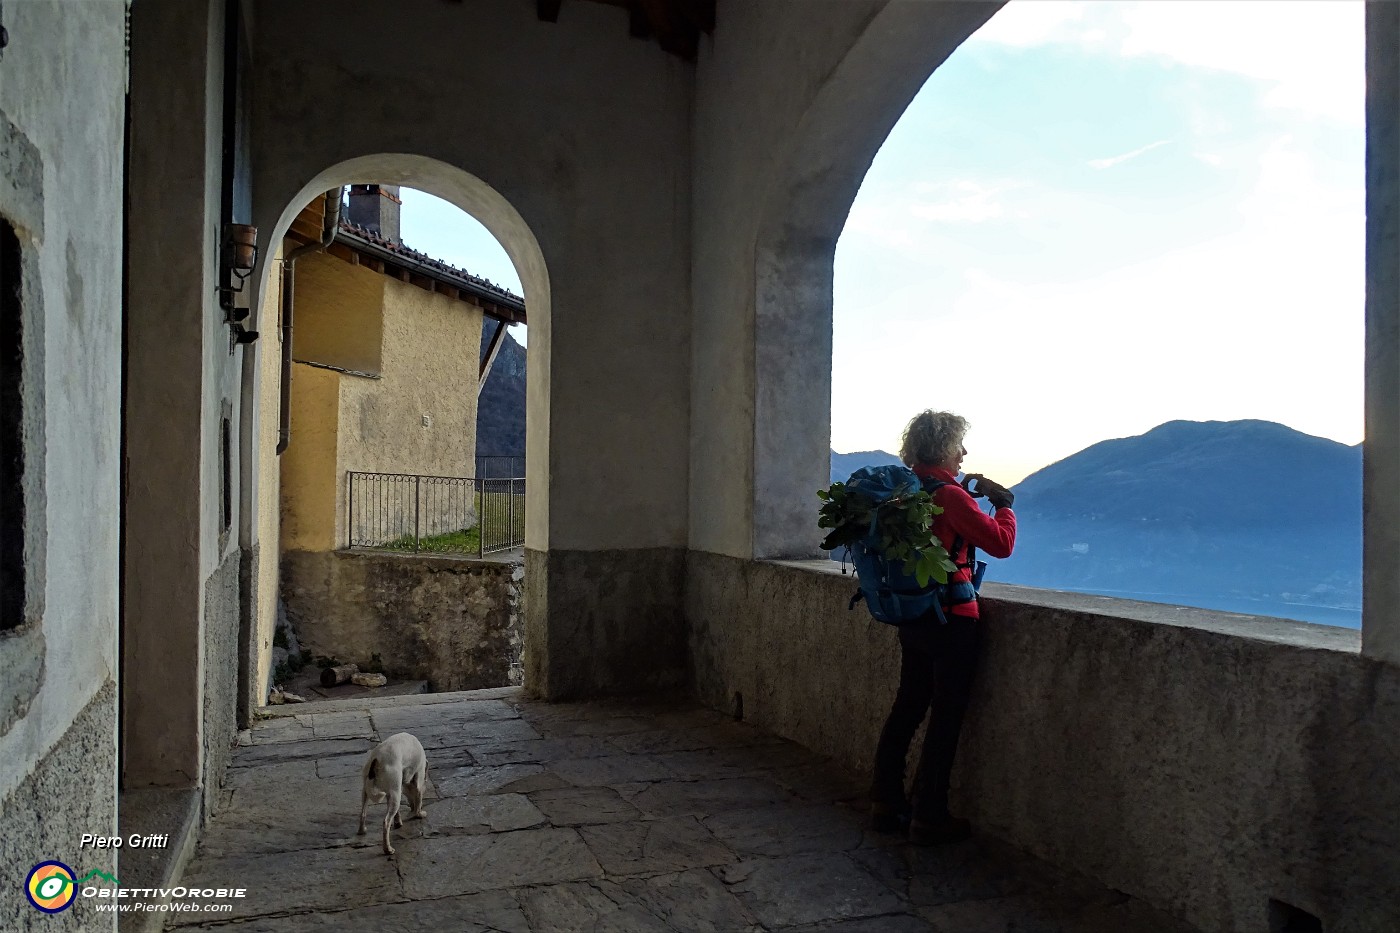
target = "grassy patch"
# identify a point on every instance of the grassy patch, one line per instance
(462, 541)
(500, 516)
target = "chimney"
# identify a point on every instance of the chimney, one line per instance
(376, 208)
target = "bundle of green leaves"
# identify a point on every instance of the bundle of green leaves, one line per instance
(902, 526)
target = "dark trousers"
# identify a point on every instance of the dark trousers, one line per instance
(935, 674)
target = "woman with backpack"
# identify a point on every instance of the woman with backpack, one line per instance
(938, 661)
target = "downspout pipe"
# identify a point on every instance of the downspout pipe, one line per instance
(328, 231)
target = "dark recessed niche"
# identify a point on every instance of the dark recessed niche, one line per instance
(1285, 918)
(226, 462)
(11, 432)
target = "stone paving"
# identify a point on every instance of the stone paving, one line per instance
(614, 816)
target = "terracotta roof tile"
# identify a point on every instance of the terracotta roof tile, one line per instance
(364, 233)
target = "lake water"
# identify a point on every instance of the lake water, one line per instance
(1320, 615)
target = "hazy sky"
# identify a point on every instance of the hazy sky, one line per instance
(444, 232)
(1111, 215)
(1114, 215)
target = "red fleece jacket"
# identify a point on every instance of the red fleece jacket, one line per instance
(962, 518)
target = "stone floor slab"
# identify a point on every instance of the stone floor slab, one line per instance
(701, 798)
(343, 726)
(942, 874)
(611, 769)
(493, 813)
(577, 806)
(540, 750)
(414, 718)
(297, 801)
(809, 889)
(340, 767)
(591, 726)
(276, 731)
(692, 900)
(448, 865)
(820, 782)
(622, 815)
(474, 779)
(489, 912)
(259, 830)
(888, 923)
(788, 829)
(270, 774)
(285, 882)
(644, 846)
(660, 741)
(1012, 914)
(586, 906)
(250, 756)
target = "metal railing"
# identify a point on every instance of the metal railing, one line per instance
(409, 513)
(499, 466)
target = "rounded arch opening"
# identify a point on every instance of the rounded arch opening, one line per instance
(814, 186)
(500, 218)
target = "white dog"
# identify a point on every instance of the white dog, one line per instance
(396, 765)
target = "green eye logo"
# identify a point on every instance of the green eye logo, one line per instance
(50, 887)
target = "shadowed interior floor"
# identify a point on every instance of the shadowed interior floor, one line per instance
(600, 816)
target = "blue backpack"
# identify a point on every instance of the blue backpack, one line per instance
(891, 595)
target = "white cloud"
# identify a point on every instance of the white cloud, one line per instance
(1245, 325)
(1120, 159)
(1245, 319)
(960, 202)
(1037, 23)
(1309, 54)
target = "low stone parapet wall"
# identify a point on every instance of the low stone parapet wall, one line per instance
(1227, 768)
(455, 622)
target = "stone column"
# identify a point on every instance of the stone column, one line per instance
(172, 201)
(1380, 628)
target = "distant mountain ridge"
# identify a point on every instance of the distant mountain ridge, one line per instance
(1244, 516)
(1248, 516)
(843, 465)
(1195, 471)
(500, 409)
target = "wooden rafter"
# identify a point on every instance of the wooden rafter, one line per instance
(676, 24)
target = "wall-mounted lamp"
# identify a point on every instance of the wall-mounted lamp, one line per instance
(237, 257)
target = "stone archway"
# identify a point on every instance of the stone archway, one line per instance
(474, 197)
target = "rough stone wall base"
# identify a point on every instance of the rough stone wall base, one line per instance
(71, 791)
(805, 667)
(453, 622)
(602, 623)
(221, 663)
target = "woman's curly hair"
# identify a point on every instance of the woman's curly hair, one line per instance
(932, 437)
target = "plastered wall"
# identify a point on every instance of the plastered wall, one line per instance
(822, 83)
(269, 486)
(416, 414)
(310, 475)
(184, 376)
(61, 190)
(602, 187)
(339, 314)
(431, 346)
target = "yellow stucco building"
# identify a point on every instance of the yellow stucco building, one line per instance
(385, 370)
